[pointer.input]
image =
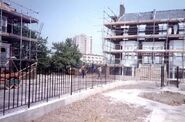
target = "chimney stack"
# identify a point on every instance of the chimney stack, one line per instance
(122, 9)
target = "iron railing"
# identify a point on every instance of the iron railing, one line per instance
(27, 87)
(23, 89)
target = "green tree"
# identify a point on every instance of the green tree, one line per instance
(43, 54)
(66, 54)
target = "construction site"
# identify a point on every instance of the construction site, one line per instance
(138, 44)
(145, 58)
(19, 33)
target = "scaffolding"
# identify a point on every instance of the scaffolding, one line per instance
(140, 41)
(19, 31)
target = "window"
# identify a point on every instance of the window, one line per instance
(128, 71)
(3, 50)
(4, 24)
(141, 29)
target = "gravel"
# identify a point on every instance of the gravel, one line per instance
(97, 108)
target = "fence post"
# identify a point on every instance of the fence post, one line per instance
(177, 76)
(114, 73)
(105, 73)
(71, 83)
(92, 83)
(29, 86)
(47, 83)
(162, 75)
(4, 97)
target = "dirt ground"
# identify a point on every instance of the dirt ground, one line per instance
(102, 108)
(97, 108)
(166, 97)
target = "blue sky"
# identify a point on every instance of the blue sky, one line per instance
(67, 18)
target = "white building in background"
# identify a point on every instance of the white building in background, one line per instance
(93, 59)
(84, 43)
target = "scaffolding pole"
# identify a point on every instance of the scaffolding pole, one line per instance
(154, 12)
(21, 44)
(183, 59)
(1, 31)
(30, 40)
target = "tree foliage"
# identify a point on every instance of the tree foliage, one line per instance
(43, 54)
(65, 54)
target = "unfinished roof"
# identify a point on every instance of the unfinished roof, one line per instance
(12, 13)
(159, 15)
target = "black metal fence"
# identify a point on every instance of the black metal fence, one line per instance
(23, 89)
(27, 87)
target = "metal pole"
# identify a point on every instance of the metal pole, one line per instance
(103, 40)
(183, 61)
(1, 29)
(166, 59)
(162, 75)
(30, 40)
(105, 73)
(154, 12)
(36, 44)
(20, 58)
(71, 83)
(29, 86)
(178, 77)
(4, 96)
(92, 83)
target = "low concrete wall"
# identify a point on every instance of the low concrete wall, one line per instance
(39, 110)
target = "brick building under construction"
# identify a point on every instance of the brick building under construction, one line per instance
(18, 37)
(145, 40)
